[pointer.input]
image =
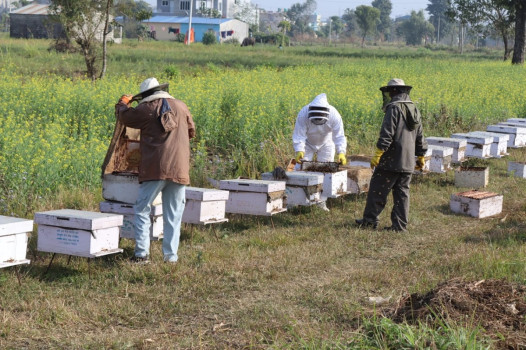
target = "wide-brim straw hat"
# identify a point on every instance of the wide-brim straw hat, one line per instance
(395, 83)
(148, 87)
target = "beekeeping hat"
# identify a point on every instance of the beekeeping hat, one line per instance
(319, 110)
(148, 87)
(394, 84)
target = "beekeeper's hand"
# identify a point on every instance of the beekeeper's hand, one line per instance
(299, 156)
(420, 162)
(376, 158)
(342, 159)
(126, 99)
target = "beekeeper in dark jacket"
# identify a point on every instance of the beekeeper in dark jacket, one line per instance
(401, 141)
(166, 129)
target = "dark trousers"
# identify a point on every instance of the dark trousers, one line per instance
(382, 182)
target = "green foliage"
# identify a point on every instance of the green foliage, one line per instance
(172, 71)
(367, 18)
(416, 28)
(209, 38)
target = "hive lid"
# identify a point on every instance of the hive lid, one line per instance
(476, 139)
(446, 141)
(84, 220)
(474, 194)
(507, 129)
(206, 194)
(440, 150)
(11, 225)
(297, 178)
(250, 185)
(497, 137)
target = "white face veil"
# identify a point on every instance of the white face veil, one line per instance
(319, 111)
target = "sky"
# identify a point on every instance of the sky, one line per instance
(327, 8)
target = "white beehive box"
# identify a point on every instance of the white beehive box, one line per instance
(478, 146)
(79, 233)
(123, 187)
(517, 134)
(205, 206)
(127, 230)
(334, 184)
(517, 169)
(458, 145)
(478, 204)
(472, 177)
(302, 188)
(358, 178)
(14, 233)
(359, 160)
(499, 147)
(440, 161)
(254, 197)
(517, 121)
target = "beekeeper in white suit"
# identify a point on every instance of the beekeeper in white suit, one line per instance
(318, 134)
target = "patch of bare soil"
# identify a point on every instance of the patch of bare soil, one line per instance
(497, 306)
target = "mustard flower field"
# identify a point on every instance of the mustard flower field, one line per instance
(54, 131)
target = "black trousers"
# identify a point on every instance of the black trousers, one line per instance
(383, 182)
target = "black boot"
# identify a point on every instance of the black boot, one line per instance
(365, 223)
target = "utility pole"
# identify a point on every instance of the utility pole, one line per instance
(190, 22)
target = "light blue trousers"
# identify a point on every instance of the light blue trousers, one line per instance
(173, 196)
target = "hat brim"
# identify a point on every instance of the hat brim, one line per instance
(148, 92)
(392, 87)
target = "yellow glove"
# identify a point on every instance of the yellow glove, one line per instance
(420, 162)
(299, 156)
(125, 99)
(376, 158)
(342, 159)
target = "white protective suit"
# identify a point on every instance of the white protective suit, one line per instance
(322, 140)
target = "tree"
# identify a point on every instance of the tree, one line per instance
(385, 7)
(437, 16)
(367, 17)
(85, 23)
(520, 32)
(502, 17)
(284, 26)
(349, 18)
(416, 28)
(298, 15)
(246, 12)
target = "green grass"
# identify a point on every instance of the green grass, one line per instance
(301, 284)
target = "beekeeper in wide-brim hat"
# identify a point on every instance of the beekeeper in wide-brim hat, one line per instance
(395, 84)
(149, 87)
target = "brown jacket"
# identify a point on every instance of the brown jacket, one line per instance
(164, 155)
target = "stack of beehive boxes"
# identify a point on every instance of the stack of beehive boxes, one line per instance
(302, 188)
(254, 197)
(205, 206)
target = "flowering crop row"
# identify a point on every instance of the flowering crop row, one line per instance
(55, 131)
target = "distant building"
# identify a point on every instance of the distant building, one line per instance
(181, 8)
(315, 22)
(34, 22)
(167, 27)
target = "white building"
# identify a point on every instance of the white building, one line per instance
(181, 8)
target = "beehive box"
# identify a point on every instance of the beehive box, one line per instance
(517, 121)
(77, 232)
(458, 145)
(478, 146)
(517, 134)
(254, 197)
(440, 161)
(517, 169)
(478, 204)
(123, 187)
(334, 184)
(359, 160)
(499, 147)
(302, 188)
(14, 234)
(358, 178)
(127, 230)
(472, 177)
(205, 206)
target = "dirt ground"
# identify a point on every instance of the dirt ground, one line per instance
(496, 305)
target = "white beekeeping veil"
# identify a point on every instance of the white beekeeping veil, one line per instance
(319, 110)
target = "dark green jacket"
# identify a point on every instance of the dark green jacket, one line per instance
(401, 136)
